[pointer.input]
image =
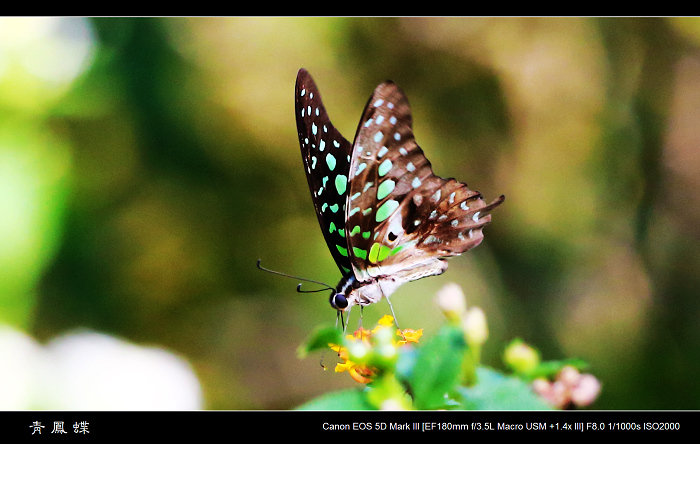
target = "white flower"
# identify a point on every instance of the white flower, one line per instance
(451, 301)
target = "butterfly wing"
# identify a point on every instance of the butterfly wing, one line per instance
(326, 155)
(400, 215)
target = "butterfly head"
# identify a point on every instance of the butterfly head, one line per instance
(339, 301)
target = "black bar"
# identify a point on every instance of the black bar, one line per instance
(310, 427)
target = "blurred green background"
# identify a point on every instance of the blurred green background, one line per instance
(146, 164)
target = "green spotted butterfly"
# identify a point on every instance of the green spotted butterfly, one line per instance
(386, 217)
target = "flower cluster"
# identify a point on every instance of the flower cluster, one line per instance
(570, 388)
(366, 350)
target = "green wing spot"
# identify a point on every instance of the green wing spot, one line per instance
(330, 161)
(334, 208)
(385, 188)
(367, 211)
(341, 183)
(384, 167)
(323, 207)
(396, 250)
(355, 230)
(332, 227)
(379, 252)
(366, 234)
(374, 252)
(341, 232)
(384, 252)
(343, 251)
(346, 270)
(385, 210)
(361, 253)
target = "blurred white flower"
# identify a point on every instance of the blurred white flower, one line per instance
(450, 299)
(92, 371)
(476, 330)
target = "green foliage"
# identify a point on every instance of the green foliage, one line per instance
(496, 391)
(320, 339)
(350, 399)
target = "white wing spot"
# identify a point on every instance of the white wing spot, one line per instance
(392, 120)
(410, 167)
(403, 153)
(382, 151)
(435, 197)
(476, 217)
(416, 183)
(378, 103)
(380, 119)
(397, 136)
(464, 206)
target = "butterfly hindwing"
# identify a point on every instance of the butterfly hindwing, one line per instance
(399, 213)
(326, 154)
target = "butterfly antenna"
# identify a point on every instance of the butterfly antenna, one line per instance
(325, 285)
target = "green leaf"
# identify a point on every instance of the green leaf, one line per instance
(495, 391)
(437, 369)
(549, 369)
(387, 392)
(349, 399)
(319, 340)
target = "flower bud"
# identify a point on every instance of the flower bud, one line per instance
(521, 357)
(475, 329)
(450, 299)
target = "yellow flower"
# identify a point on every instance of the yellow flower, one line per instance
(408, 336)
(368, 342)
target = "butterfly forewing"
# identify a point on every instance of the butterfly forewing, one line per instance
(326, 154)
(399, 213)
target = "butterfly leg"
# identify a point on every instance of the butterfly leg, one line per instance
(361, 314)
(392, 312)
(390, 306)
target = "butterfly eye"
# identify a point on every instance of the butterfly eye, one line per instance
(339, 301)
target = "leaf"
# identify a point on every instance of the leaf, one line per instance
(349, 399)
(437, 368)
(550, 369)
(495, 391)
(319, 340)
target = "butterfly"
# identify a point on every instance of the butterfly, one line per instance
(386, 217)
